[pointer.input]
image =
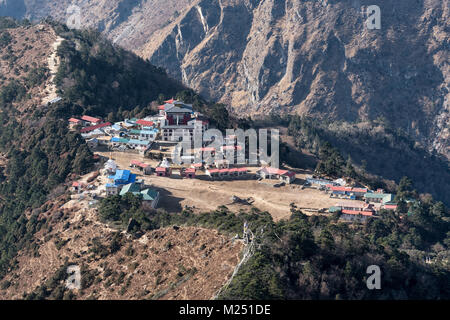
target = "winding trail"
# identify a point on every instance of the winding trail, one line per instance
(53, 65)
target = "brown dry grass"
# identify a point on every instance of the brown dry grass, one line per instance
(190, 263)
(31, 47)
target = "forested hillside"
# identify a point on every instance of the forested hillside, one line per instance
(95, 77)
(318, 258)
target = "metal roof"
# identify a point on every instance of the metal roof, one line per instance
(149, 194)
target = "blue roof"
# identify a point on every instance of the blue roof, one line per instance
(117, 139)
(123, 177)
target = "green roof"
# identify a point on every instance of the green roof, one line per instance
(132, 187)
(149, 194)
(374, 195)
(334, 209)
(135, 131)
(386, 197)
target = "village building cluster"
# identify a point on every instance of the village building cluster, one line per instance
(366, 203)
(177, 121)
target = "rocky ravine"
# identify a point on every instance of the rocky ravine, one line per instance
(307, 56)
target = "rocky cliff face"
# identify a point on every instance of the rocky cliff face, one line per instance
(306, 56)
(127, 22)
(318, 58)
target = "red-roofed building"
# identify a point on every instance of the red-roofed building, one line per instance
(91, 120)
(390, 206)
(190, 173)
(145, 123)
(92, 128)
(339, 188)
(170, 101)
(274, 173)
(197, 165)
(73, 122)
(146, 168)
(77, 186)
(163, 172)
(353, 212)
(347, 192)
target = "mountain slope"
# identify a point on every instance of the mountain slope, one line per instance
(310, 57)
(128, 22)
(39, 151)
(317, 58)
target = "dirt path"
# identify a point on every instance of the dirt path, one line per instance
(53, 65)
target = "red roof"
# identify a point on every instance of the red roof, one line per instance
(390, 206)
(280, 172)
(74, 120)
(76, 184)
(145, 123)
(288, 173)
(161, 107)
(190, 170)
(346, 189)
(170, 101)
(361, 190)
(207, 149)
(198, 165)
(363, 213)
(339, 188)
(98, 126)
(161, 169)
(228, 170)
(139, 164)
(91, 119)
